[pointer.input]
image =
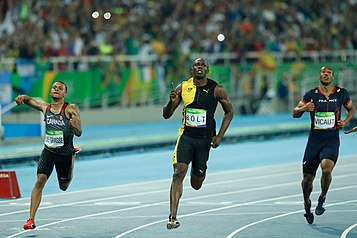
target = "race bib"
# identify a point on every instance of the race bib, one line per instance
(196, 117)
(54, 139)
(324, 120)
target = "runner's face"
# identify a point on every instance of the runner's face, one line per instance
(58, 90)
(200, 69)
(326, 76)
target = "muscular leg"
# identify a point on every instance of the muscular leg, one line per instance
(326, 177)
(180, 170)
(64, 186)
(36, 194)
(307, 185)
(196, 182)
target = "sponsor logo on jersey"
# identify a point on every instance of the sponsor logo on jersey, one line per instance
(330, 100)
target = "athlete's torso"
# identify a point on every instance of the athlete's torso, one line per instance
(59, 134)
(327, 110)
(199, 108)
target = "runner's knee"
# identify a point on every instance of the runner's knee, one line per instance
(178, 175)
(63, 186)
(41, 181)
(308, 180)
(179, 172)
(196, 185)
(196, 182)
(326, 171)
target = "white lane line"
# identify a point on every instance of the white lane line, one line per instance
(233, 206)
(166, 202)
(160, 203)
(345, 233)
(279, 216)
(116, 203)
(145, 193)
(92, 190)
(88, 201)
(87, 216)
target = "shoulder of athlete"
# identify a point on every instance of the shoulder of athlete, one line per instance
(73, 106)
(72, 109)
(220, 92)
(43, 106)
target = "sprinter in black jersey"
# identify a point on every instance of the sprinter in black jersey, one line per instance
(197, 134)
(324, 104)
(62, 122)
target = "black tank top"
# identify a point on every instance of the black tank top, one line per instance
(199, 109)
(59, 134)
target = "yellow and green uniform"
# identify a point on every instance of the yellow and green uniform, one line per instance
(198, 126)
(198, 110)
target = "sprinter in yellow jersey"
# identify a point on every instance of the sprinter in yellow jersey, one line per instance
(198, 131)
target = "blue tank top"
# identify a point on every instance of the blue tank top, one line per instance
(327, 110)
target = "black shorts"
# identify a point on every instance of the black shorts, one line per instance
(189, 149)
(63, 164)
(319, 148)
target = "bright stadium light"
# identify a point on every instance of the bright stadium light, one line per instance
(107, 15)
(220, 37)
(95, 14)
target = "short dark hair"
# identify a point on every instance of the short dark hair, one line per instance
(200, 58)
(65, 85)
(329, 67)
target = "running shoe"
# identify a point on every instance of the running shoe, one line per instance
(30, 224)
(319, 210)
(172, 223)
(308, 215)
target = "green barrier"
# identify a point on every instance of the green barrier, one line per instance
(120, 85)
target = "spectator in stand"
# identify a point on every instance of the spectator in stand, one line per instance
(288, 25)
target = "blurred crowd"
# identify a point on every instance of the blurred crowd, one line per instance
(41, 28)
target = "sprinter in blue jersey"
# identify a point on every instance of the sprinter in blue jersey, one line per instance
(324, 104)
(62, 121)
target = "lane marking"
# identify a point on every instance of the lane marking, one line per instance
(160, 203)
(279, 216)
(232, 206)
(116, 203)
(187, 199)
(289, 165)
(345, 233)
(142, 193)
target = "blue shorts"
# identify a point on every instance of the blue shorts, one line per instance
(320, 146)
(195, 150)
